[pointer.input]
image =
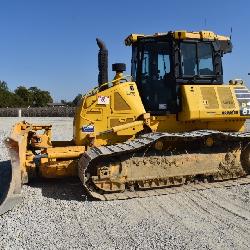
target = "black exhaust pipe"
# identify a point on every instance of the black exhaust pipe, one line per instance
(102, 63)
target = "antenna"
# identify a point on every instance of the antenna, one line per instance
(231, 33)
(205, 22)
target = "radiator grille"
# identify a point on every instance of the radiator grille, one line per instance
(226, 98)
(209, 98)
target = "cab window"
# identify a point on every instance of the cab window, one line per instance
(196, 59)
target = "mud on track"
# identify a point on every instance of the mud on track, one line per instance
(57, 215)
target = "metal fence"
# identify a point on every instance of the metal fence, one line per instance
(38, 112)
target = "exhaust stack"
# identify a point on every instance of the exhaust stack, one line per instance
(102, 63)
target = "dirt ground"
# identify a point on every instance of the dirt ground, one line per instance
(56, 214)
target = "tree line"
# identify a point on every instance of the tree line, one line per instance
(28, 97)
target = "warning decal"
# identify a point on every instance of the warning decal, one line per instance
(103, 100)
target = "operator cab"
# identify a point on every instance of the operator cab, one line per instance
(163, 62)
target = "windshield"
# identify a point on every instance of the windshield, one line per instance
(196, 59)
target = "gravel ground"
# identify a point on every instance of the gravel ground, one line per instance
(56, 215)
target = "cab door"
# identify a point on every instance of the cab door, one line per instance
(154, 78)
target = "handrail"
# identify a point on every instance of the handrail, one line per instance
(91, 92)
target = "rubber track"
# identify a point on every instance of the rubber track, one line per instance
(146, 141)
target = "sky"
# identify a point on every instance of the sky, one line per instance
(51, 43)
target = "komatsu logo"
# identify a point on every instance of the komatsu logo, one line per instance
(231, 112)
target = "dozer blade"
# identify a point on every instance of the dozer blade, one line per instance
(10, 178)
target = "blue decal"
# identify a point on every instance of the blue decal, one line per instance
(88, 129)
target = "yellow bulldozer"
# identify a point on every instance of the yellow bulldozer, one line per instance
(171, 124)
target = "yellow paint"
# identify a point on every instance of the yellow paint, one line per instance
(201, 35)
(90, 112)
(58, 169)
(65, 152)
(180, 35)
(203, 107)
(216, 102)
(132, 39)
